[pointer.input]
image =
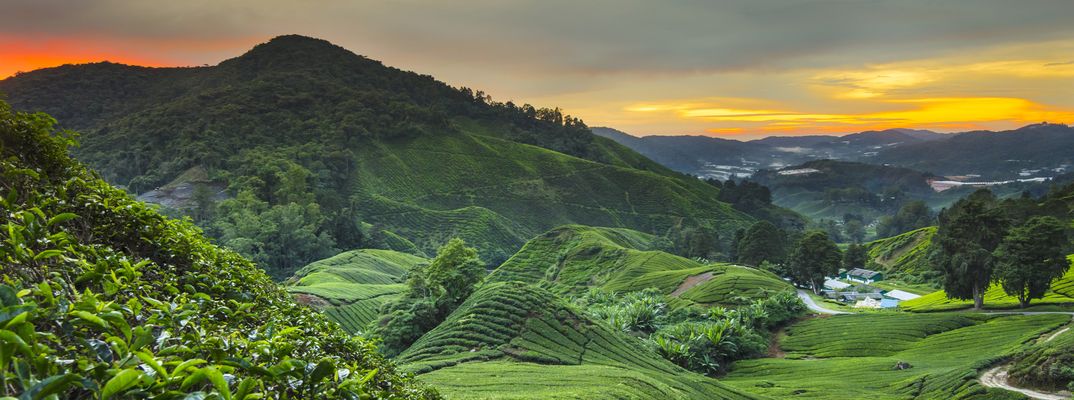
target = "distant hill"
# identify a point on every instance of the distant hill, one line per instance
(322, 150)
(723, 158)
(1033, 150)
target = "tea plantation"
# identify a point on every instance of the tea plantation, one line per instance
(904, 255)
(515, 340)
(573, 258)
(854, 356)
(1048, 365)
(1060, 297)
(350, 287)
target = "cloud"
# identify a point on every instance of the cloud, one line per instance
(1059, 64)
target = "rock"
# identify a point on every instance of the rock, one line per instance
(901, 365)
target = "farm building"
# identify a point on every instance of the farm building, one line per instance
(835, 285)
(863, 275)
(850, 297)
(889, 303)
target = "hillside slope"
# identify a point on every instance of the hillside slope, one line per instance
(341, 137)
(905, 255)
(105, 298)
(350, 287)
(571, 259)
(516, 341)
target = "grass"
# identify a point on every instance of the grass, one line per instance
(570, 259)
(852, 356)
(1059, 297)
(515, 340)
(353, 285)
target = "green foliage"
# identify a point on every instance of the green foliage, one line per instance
(762, 242)
(1031, 257)
(104, 298)
(433, 291)
(1061, 294)
(855, 256)
(905, 256)
(911, 216)
(814, 257)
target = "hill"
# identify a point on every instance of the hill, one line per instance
(323, 150)
(350, 287)
(105, 298)
(719, 158)
(904, 256)
(571, 259)
(511, 340)
(1033, 150)
(831, 189)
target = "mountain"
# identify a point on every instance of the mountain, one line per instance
(321, 150)
(725, 158)
(1031, 151)
(830, 189)
(105, 298)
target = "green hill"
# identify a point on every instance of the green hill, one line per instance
(511, 340)
(905, 255)
(1049, 364)
(350, 287)
(573, 258)
(314, 142)
(1061, 295)
(102, 297)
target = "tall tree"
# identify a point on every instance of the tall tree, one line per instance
(762, 242)
(970, 230)
(855, 256)
(1031, 257)
(855, 231)
(814, 257)
(912, 215)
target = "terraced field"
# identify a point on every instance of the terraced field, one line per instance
(1061, 297)
(573, 258)
(905, 254)
(854, 356)
(350, 287)
(1048, 365)
(514, 340)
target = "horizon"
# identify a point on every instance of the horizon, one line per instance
(730, 70)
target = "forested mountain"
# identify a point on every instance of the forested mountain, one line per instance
(317, 150)
(1034, 150)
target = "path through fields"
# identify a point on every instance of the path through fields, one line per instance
(692, 281)
(997, 377)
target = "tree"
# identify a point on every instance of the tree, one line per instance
(912, 215)
(695, 242)
(969, 232)
(855, 256)
(762, 242)
(1031, 257)
(455, 271)
(855, 231)
(814, 257)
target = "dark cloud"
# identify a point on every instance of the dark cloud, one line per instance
(581, 37)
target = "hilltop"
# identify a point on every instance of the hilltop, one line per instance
(322, 150)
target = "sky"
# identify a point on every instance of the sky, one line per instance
(736, 69)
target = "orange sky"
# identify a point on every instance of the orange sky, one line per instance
(734, 69)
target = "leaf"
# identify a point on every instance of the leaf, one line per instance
(8, 296)
(61, 218)
(10, 337)
(120, 383)
(151, 361)
(90, 319)
(324, 369)
(368, 376)
(50, 253)
(218, 382)
(52, 385)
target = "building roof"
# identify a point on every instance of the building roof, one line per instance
(900, 295)
(834, 284)
(864, 273)
(889, 303)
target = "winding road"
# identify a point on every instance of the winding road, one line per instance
(813, 306)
